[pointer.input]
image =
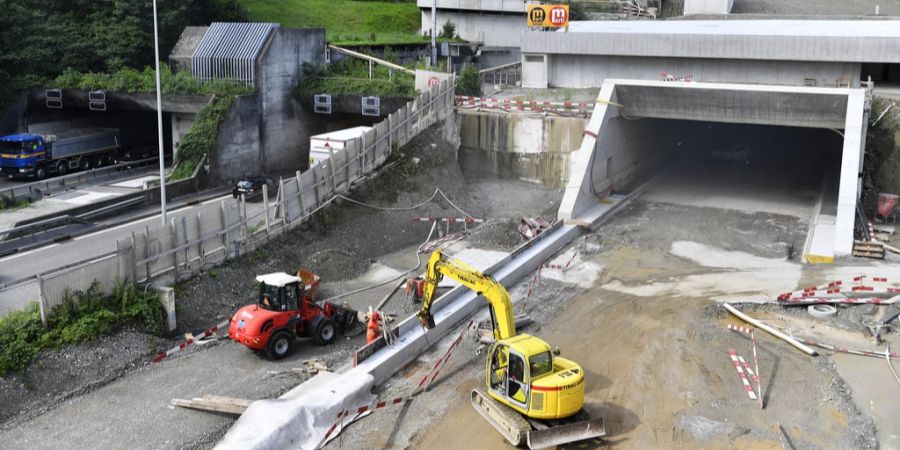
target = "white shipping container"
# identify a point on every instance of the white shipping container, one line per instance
(321, 146)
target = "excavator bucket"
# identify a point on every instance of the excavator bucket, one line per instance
(563, 434)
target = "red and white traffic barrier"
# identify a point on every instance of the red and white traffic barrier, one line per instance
(670, 77)
(163, 355)
(509, 105)
(859, 286)
(740, 370)
(845, 301)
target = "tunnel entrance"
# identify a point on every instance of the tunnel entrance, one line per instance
(790, 151)
(138, 129)
(747, 168)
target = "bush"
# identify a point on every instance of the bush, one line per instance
(468, 82)
(133, 80)
(351, 77)
(201, 138)
(82, 316)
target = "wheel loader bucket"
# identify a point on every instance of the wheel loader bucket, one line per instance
(563, 434)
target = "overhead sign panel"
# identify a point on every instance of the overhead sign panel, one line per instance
(548, 16)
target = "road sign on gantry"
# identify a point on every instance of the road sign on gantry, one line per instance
(555, 16)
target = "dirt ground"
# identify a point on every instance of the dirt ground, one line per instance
(656, 360)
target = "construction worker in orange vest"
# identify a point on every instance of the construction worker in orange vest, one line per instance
(373, 330)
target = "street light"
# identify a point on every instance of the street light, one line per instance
(159, 123)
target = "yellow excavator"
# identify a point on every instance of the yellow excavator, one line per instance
(532, 395)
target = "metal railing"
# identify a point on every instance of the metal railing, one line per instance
(66, 181)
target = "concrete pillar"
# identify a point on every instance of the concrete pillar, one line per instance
(579, 196)
(848, 193)
(167, 300)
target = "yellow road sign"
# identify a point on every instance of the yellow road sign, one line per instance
(548, 15)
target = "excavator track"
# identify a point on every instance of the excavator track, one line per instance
(517, 429)
(508, 422)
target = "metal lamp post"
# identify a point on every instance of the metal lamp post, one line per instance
(159, 122)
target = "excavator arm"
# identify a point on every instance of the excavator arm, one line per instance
(501, 306)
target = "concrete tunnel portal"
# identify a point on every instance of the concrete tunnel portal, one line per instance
(759, 149)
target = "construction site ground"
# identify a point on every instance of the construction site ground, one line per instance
(640, 310)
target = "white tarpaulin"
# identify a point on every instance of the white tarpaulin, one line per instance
(301, 417)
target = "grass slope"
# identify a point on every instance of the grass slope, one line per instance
(345, 21)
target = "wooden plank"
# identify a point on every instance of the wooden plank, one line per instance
(214, 403)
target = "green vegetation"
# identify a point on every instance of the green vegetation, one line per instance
(9, 205)
(468, 82)
(448, 31)
(351, 77)
(347, 22)
(83, 316)
(132, 80)
(39, 39)
(201, 138)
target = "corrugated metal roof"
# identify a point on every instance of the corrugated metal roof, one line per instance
(229, 50)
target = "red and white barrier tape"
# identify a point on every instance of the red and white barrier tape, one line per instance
(191, 340)
(755, 376)
(429, 377)
(359, 410)
(569, 262)
(448, 219)
(442, 242)
(834, 348)
(439, 364)
(740, 370)
(669, 77)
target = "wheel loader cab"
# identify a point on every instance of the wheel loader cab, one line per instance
(279, 298)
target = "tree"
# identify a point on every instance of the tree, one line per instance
(468, 82)
(448, 31)
(39, 39)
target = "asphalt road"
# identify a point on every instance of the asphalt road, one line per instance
(29, 263)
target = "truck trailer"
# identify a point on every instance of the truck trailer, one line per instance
(37, 156)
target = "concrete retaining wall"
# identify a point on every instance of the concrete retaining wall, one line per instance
(499, 30)
(238, 146)
(284, 127)
(531, 148)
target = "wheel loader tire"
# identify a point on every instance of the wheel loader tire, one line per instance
(326, 332)
(279, 345)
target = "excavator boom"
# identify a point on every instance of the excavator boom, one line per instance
(504, 324)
